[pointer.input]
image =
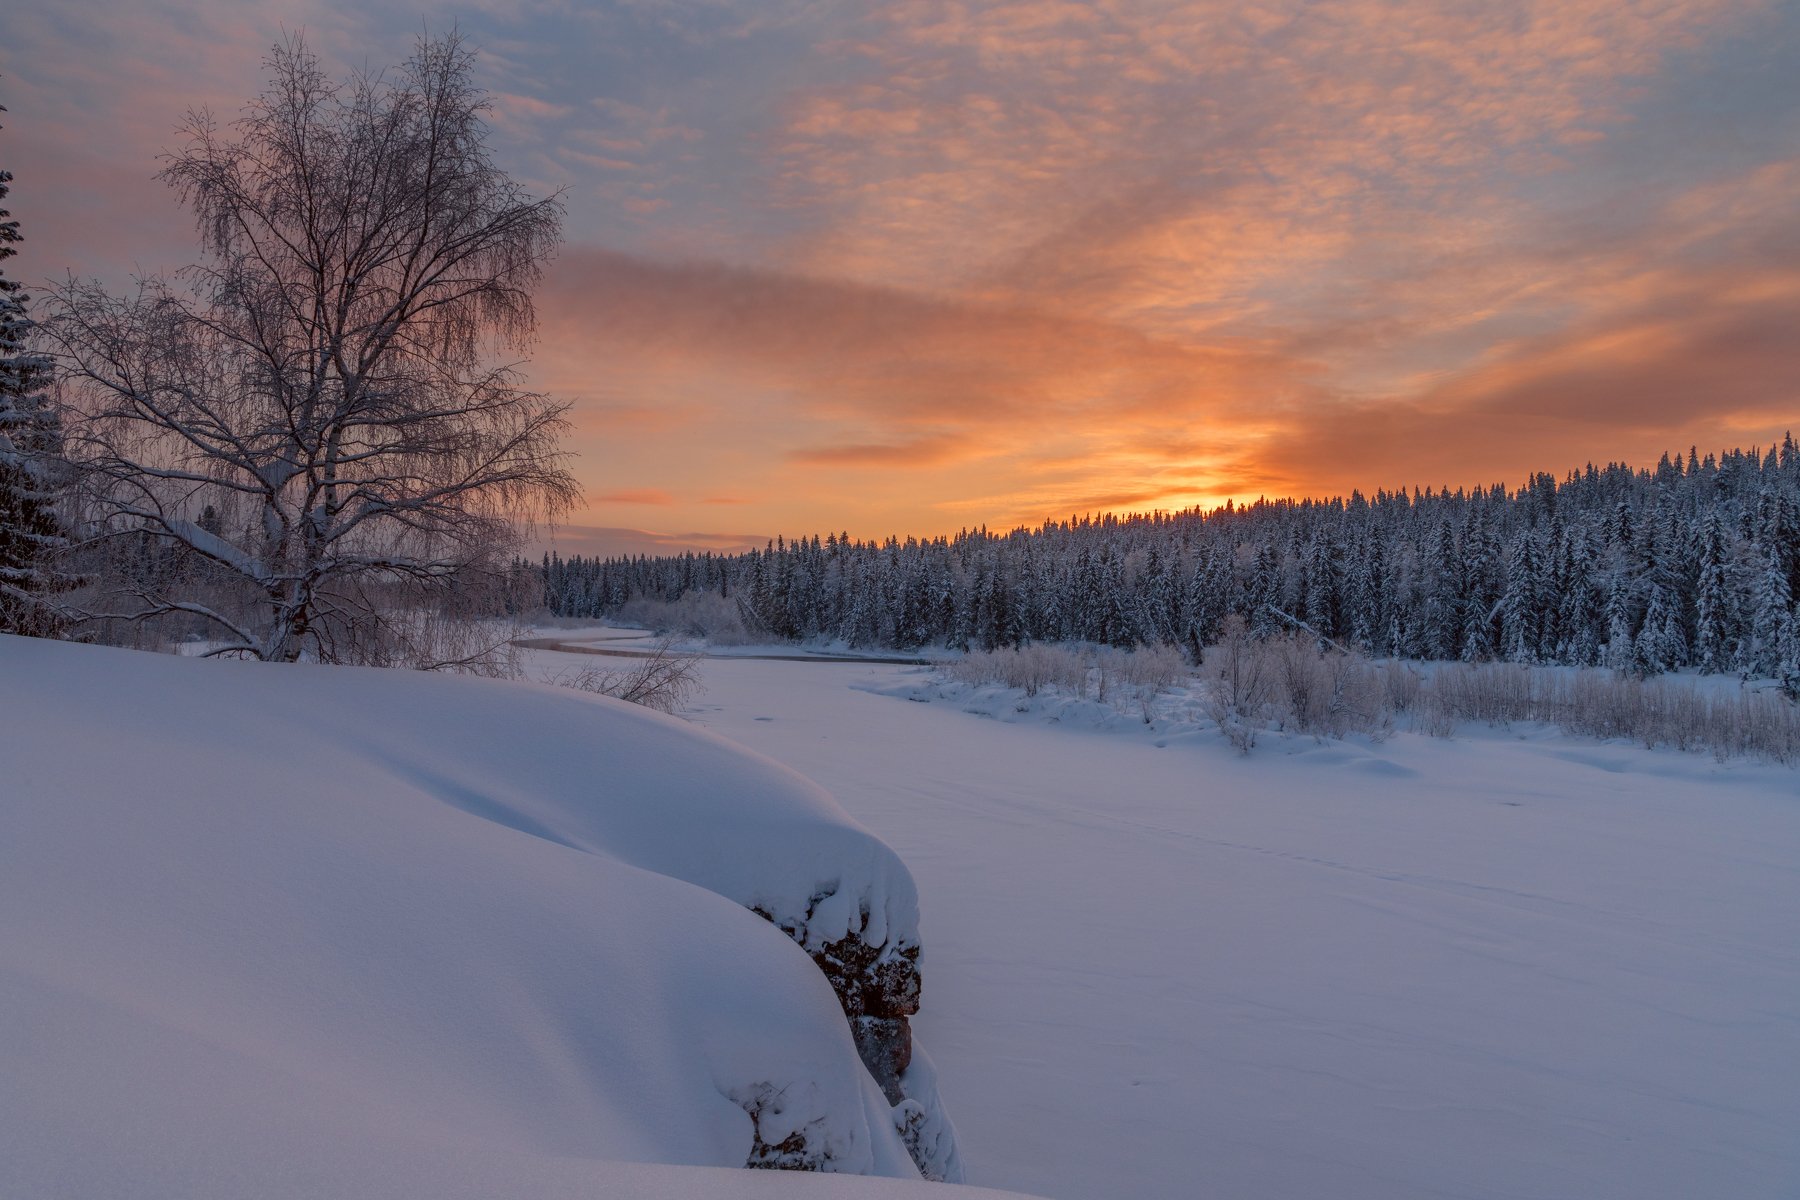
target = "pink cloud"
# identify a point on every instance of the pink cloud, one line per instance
(633, 496)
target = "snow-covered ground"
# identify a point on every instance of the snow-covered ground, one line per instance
(1506, 965)
(299, 931)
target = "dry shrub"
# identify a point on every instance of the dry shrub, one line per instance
(1152, 668)
(1400, 686)
(1031, 668)
(663, 679)
(1429, 716)
(1142, 672)
(1240, 684)
(1664, 712)
(1328, 693)
(1757, 725)
(1116, 676)
(1497, 693)
(1652, 712)
(1293, 683)
(1289, 683)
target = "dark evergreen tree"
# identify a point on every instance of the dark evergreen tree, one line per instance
(1440, 625)
(1661, 645)
(1479, 595)
(1771, 622)
(30, 530)
(1321, 606)
(1520, 615)
(1578, 604)
(1209, 599)
(1265, 591)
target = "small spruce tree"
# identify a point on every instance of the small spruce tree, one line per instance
(29, 435)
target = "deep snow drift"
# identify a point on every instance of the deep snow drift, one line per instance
(297, 930)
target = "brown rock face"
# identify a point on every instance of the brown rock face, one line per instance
(879, 989)
(878, 986)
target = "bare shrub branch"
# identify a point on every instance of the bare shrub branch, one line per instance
(664, 679)
(1240, 684)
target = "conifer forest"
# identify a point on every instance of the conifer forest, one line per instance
(1694, 564)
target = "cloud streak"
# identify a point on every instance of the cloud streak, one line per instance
(633, 496)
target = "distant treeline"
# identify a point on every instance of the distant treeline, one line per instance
(1693, 564)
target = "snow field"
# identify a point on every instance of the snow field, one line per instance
(1509, 964)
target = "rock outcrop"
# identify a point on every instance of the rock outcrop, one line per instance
(878, 985)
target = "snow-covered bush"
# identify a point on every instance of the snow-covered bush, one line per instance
(718, 619)
(1325, 692)
(1497, 693)
(1152, 668)
(1400, 684)
(1680, 713)
(1031, 668)
(1240, 684)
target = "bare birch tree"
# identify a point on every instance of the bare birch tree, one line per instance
(318, 415)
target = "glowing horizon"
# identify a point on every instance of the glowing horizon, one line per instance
(956, 265)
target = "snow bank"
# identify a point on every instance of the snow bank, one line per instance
(266, 925)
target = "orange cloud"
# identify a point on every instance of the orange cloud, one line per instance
(923, 451)
(633, 496)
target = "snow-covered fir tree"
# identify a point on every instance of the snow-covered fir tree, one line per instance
(1712, 601)
(1771, 620)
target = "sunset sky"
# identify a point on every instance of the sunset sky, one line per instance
(959, 264)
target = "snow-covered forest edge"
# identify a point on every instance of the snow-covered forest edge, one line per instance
(1695, 564)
